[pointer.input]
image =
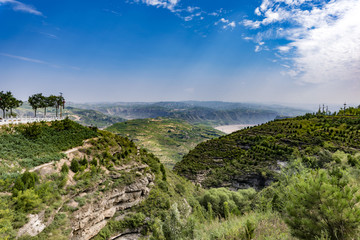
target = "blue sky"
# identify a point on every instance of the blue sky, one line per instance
(275, 51)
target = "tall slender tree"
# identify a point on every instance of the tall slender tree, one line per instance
(51, 100)
(60, 100)
(4, 102)
(14, 103)
(36, 101)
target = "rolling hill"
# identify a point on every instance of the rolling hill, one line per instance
(168, 139)
(253, 157)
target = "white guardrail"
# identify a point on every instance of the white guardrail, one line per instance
(7, 121)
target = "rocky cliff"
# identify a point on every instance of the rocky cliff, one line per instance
(93, 196)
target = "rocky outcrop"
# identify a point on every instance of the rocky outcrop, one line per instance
(252, 180)
(34, 226)
(93, 216)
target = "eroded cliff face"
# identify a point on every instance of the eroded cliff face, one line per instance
(93, 216)
(116, 190)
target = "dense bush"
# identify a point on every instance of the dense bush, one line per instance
(26, 181)
(27, 200)
(75, 166)
(223, 201)
(320, 204)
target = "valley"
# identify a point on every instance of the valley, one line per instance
(180, 120)
(62, 180)
(167, 139)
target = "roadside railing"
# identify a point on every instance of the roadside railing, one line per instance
(21, 120)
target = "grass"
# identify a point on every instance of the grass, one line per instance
(266, 226)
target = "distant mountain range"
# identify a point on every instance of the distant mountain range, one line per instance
(211, 112)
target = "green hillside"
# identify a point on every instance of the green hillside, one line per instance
(103, 166)
(61, 180)
(168, 139)
(252, 157)
(30, 145)
(91, 117)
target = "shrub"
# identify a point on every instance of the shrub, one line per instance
(32, 131)
(65, 168)
(163, 171)
(75, 166)
(318, 203)
(27, 200)
(237, 202)
(26, 181)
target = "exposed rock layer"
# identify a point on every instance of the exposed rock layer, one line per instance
(93, 216)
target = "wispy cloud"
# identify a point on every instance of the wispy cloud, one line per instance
(49, 35)
(190, 13)
(112, 11)
(33, 60)
(23, 58)
(323, 37)
(19, 6)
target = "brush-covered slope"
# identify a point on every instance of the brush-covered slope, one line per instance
(168, 139)
(61, 180)
(91, 117)
(252, 157)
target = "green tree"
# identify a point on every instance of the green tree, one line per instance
(75, 166)
(36, 101)
(52, 101)
(318, 203)
(8, 102)
(226, 210)
(4, 102)
(14, 103)
(45, 104)
(173, 225)
(60, 101)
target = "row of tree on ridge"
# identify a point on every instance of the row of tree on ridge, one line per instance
(8, 102)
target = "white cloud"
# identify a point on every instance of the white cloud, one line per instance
(19, 6)
(251, 24)
(169, 4)
(226, 23)
(284, 48)
(324, 37)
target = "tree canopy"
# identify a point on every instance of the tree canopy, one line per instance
(8, 102)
